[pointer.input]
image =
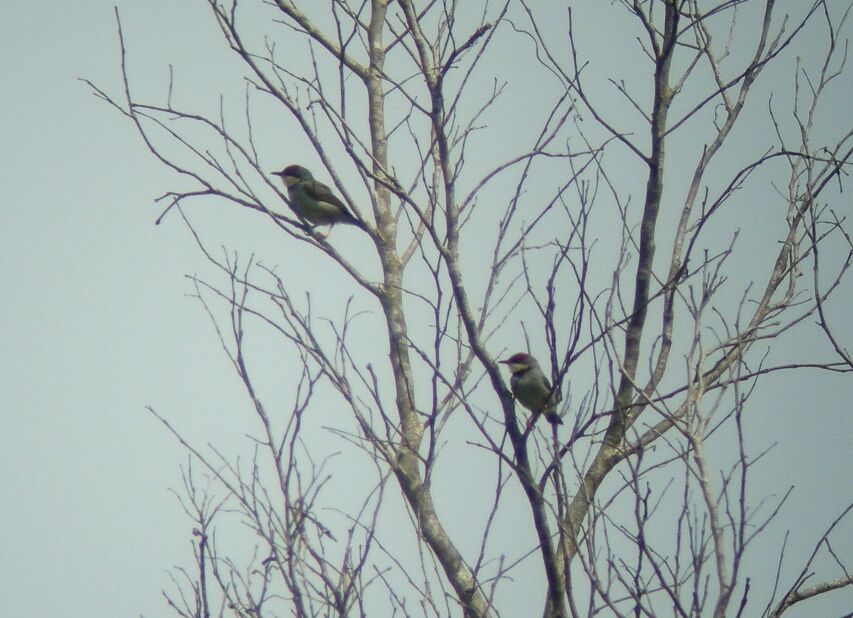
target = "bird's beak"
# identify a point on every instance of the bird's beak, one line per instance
(504, 362)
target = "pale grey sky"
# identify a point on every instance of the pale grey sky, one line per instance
(97, 324)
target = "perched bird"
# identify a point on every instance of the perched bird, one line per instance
(314, 201)
(531, 387)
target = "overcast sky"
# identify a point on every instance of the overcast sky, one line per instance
(97, 324)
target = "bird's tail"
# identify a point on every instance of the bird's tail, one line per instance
(552, 416)
(550, 412)
(351, 220)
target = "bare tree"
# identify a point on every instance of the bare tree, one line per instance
(651, 235)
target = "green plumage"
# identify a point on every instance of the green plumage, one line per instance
(531, 388)
(313, 201)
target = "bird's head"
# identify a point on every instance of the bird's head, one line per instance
(520, 362)
(293, 174)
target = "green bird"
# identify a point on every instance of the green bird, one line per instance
(314, 201)
(531, 388)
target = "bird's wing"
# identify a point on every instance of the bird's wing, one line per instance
(556, 396)
(322, 193)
